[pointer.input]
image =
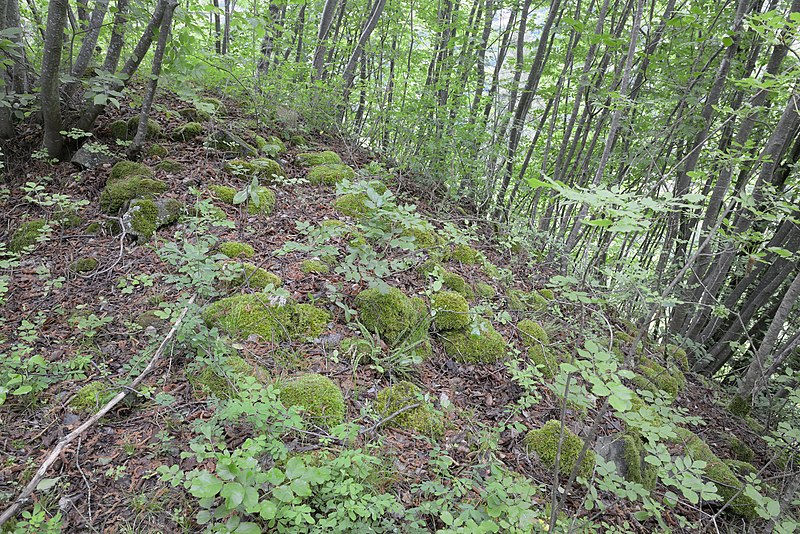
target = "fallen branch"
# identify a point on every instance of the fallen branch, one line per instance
(69, 438)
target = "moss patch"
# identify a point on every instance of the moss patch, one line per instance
(544, 442)
(653, 376)
(91, 397)
(128, 169)
(485, 346)
(520, 301)
(236, 249)
(156, 150)
(330, 173)
(221, 380)
(311, 159)
(457, 284)
(251, 275)
(546, 360)
(485, 290)
(321, 399)
(26, 235)
(352, 205)
(83, 265)
(126, 130)
(421, 419)
(677, 356)
(187, 131)
(270, 146)
(741, 451)
(245, 315)
(466, 255)
(169, 166)
(116, 194)
(397, 319)
(263, 168)
(314, 267)
(194, 114)
(450, 311)
(532, 334)
(636, 469)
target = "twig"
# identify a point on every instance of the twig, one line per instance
(389, 418)
(69, 438)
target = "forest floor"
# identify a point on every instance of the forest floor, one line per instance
(105, 480)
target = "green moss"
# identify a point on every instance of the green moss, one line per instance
(156, 150)
(739, 406)
(741, 450)
(388, 313)
(520, 301)
(740, 468)
(128, 169)
(457, 284)
(352, 205)
(26, 235)
(245, 315)
(144, 221)
(251, 275)
(91, 397)
(116, 194)
(485, 290)
(119, 130)
(83, 265)
(126, 130)
(271, 146)
(266, 197)
(423, 239)
(263, 168)
(194, 114)
(484, 346)
(544, 442)
(677, 356)
(321, 399)
(720, 474)
(314, 267)
(220, 380)
(636, 469)
(311, 159)
(547, 294)
(169, 166)
(653, 376)
(467, 255)
(223, 192)
(531, 333)
(421, 419)
(357, 349)
(450, 311)
(236, 249)
(187, 131)
(94, 228)
(546, 360)
(330, 174)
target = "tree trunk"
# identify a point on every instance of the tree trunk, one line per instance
(89, 43)
(369, 27)
(325, 22)
(51, 60)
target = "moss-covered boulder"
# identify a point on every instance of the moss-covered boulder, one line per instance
(128, 169)
(397, 398)
(236, 249)
(194, 114)
(116, 194)
(319, 397)
(244, 315)
(264, 168)
(314, 267)
(352, 204)
(311, 159)
(482, 344)
(545, 359)
(250, 275)
(450, 311)
(457, 283)
(266, 203)
(221, 379)
(387, 312)
(544, 442)
(187, 132)
(170, 166)
(330, 173)
(156, 151)
(739, 449)
(126, 130)
(531, 333)
(270, 146)
(83, 265)
(719, 473)
(521, 301)
(466, 254)
(484, 290)
(91, 397)
(26, 235)
(677, 356)
(636, 468)
(654, 377)
(144, 216)
(231, 144)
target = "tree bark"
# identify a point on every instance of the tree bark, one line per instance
(325, 22)
(51, 60)
(369, 27)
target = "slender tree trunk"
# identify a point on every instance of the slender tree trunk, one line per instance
(217, 28)
(324, 26)
(369, 27)
(89, 43)
(51, 60)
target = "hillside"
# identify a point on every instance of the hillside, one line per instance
(336, 349)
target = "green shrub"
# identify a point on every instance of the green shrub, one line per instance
(451, 311)
(321, 399)
(421, 419)
(484, 346)
(544, 442)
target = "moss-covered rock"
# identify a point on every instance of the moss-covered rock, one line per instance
(322, 400)
(421, 418)
(156, 150)
(544, 442)
(187, 132)
(719, 473)
(314, 267)
(450, 311)
(26, 235)
(144, 216)
(677, 356)
(251, 275)
(484, 290)
(266, 197)
(636, 468)
(83, 265)
(194, 114)
(740, 468)
(94, 228)
(236, 249)
(229, 143)
(388, 313)
(466, 254)
(91, 397)
(741, 451)
(352, 205)
(220, 380)
(330, 173)
(739, 406)
(169, 166)
(245, 315)
(457, 283)
(264, 168)
(126, 130)
(129, 169)
(546, 360)
(270, 146)
(483, 344)
(424, 238)
(311, 159)
(531, 333)
(521, 301)
(116, 194)
(653, 376)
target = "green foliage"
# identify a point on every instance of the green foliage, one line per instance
(117, 193)
(481, 344)
(27, 235)
(236, 249)
(450, 311)
(266, 202)
(312, 159)
(330, 173)
(245, 315)
(321, 400)
(128, 169)
(397, 398)
(549, 440)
